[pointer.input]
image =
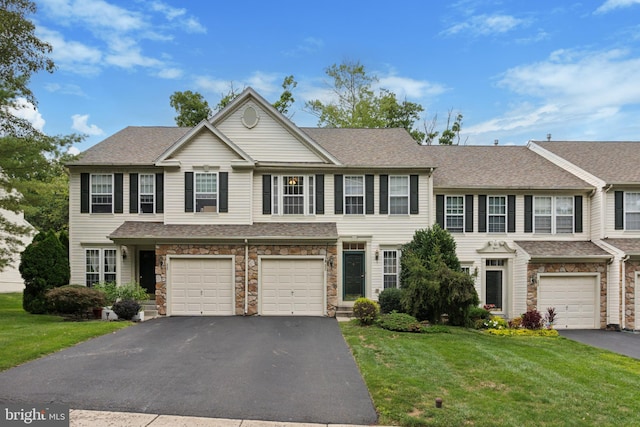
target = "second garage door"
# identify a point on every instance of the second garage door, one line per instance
(292, 287)
(574, 298)
(201, 287)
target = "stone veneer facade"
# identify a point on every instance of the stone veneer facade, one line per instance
(534, 269)
(630, 270)
(255, 251)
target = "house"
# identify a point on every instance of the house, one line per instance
(10, 277)
(249, 214)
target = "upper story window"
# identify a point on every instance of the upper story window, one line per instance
(354, 195)
(293, 195)
(102, 193)
(206, 192)
(454, 214)
(100, 266)
(147, 192)
(632, 211)
(496, 214)
(399, 195)
(553, 214)
(391, 269)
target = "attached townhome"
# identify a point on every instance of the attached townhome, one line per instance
(249, 214)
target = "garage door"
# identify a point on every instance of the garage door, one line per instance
(292, 287)
(574, 298)
(201, 287)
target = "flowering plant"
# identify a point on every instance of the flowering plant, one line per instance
(489, 307)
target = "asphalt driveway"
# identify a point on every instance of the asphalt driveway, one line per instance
(625, 343)
(262, 368)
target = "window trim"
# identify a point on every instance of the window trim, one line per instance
(553, 215)
(396, 253)
(308, 194)
(101, 272)
(504, 215)
(92, 194)
(346, 205)
(216, 193)
(627, 211)
(152, 194)
(407, 196)
(461, 214)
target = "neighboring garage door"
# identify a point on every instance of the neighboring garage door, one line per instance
(574, 298)
(292, 287)
(201, 287)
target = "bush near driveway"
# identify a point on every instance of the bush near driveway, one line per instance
(25, 336)
(487, 380)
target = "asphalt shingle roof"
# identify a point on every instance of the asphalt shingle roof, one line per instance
(500, 167)
(613, 162)
(561, 249)
(629, 246)
(258, 230)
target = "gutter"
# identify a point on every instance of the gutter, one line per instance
(623, 284)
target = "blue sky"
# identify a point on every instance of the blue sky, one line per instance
(516, 69)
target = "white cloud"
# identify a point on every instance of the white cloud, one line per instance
(73, 151)
(23, 109)
(71, 55)
(80, 124)
(484, 25)
(410, 88)
(170, 73)
(212, 85)
(610, 5)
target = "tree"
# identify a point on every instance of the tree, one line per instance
(191, 107)
(44, 265)
(286, 97)
(28, 158)
(449, 136)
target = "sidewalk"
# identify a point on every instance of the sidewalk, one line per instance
(82, 418)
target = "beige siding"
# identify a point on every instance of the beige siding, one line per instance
(10, 278)
(268, 141)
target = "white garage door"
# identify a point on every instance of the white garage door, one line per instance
(292, 287)
(201, 287)
(574, 298)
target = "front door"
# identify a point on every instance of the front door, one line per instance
(353, 276)
(148, 271)
(494, 293)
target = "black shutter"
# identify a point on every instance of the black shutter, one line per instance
(468, 213)
(413, 194)
(368, 195)
(133, 193)
(223, 205)
(118, 196)
(84, 193)
(619, 210)
(440, 210)
(511, 214)
(577, 214)
(528, 214)
(482, 213)
(266, 194)
(320, 194)
(188, 191)
(337, 194)
(384, 194)
(160, 193)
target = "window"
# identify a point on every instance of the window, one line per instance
(206, 192)
(354, 195)
(147, 192)
(632, 211)
(454, 214)
(293, 195)
(100, 266)
(390, 269)
(102, 193)
(497, 214)
(399, 195)
(553, 214)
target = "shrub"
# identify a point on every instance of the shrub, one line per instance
(44, 265)
(73, 300)
(126, 309)
(495, 322)
(400, 322)
(524, 332)
(110, 291)
(132, 291)
(390, 300)
(532, 319)
(479, 313)
(550, 317)
(365, 310)
(515, 323)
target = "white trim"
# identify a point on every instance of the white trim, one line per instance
(636, 310)
(446, 197)
(597, 302)
(407, 195)
(344, 194)
(153, 193)
(91, 193)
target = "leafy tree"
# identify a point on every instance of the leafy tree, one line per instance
(286, 97)
(449, 136)
(191, 107)
(44, 265)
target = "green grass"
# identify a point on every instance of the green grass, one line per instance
(25, 336)
(487, 380)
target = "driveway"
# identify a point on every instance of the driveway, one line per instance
(625, 343)
(262, 368)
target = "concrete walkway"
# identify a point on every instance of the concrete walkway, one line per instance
(82, 418)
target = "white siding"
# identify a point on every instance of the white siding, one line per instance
(10, 278)
(268, 141)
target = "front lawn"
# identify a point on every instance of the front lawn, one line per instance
(25, 336)
(487, 380)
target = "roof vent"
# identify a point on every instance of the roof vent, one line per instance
(250, 117)
(548, 137)
(495, 142)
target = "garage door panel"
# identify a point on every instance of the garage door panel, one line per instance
(201, 286)
(575, 299)
(292, 287)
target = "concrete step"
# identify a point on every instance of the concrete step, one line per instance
(150, 314)
(344, 313)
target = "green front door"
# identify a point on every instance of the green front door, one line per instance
(352, 276)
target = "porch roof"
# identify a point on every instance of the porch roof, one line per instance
(135, 231)
(557, 249)
(628, 246)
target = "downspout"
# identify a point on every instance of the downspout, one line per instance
(623, 294)
(246, 276)
(603, 209)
